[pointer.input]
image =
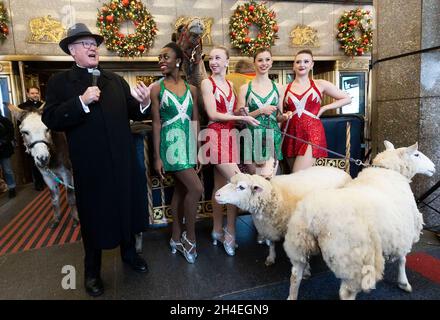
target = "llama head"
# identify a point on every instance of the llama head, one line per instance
(36, 136)
(244, 191)
(408, 161)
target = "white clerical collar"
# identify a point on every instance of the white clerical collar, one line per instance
(90, 70)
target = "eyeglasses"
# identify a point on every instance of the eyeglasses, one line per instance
(86, 44)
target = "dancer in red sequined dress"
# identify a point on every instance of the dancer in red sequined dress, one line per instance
(303, 97)
(219, 100)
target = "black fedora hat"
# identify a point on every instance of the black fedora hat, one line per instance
(76, 31)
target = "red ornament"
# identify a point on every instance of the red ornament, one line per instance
(141, 48)
(275, 28)
(251, 8)
(125, 3)
(109, 18)
(101, 18)
(247, 39)
(246, 19)
(353, 22)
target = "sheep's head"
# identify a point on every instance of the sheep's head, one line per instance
(244, 190)
(408, 161)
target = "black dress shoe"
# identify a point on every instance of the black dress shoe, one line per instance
(94, 286)
(12, 193)
(137, 263)
(39, 187)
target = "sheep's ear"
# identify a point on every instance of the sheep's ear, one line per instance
(257, 188)
(388, 145)
(413, 148)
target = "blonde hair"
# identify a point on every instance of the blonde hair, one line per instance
(306, 51)
(222, 48)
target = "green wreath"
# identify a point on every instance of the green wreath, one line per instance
(4, 19)
(352, 23)
(249, 14)
(113, 14)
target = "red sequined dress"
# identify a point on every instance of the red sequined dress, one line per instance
(222, 139)
(305, 123)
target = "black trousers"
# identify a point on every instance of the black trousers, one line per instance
(92, 258)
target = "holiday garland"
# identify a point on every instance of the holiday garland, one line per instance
(4, 19)
(249, 14)
(351, 23)
(113, 14)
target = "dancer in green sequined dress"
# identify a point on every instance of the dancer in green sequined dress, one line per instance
(261, 98)
(175, 148)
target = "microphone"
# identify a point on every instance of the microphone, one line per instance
(95, 75)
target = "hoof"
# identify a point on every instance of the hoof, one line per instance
(307, 273)
(269, 262)
(306, 276)
(75, 223)
(405, 287)
(54, 224)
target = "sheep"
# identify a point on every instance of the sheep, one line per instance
(357, 227)
(271, 202)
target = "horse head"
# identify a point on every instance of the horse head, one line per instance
(37, 137)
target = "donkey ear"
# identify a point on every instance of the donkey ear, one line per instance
(41, 108)
(413, 148)
(17, 112)
(388, 145)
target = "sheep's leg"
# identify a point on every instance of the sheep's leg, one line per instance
(402, 280)
(270, 260)
(346, 292)
(295, 279)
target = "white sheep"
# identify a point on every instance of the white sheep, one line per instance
(272, 202)
(357, 227)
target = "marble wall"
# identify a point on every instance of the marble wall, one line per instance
(406, 87)
(321, 16)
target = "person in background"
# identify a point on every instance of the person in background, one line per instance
(33, 103)
(244, 72)
(303, 97)
(93, 107)
(6, 151)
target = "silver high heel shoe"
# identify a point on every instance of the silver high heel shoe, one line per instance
(229, 245)
(216, 236)
(190, 257)
(175, 245)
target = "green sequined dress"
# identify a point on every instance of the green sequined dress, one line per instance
(177, 142)
(263, 148)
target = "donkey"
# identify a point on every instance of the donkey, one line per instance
(50, 153)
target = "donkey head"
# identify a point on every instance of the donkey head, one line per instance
(36, 136)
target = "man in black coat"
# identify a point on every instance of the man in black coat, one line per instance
(32, 103)
(6, 151)
(94, 112)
